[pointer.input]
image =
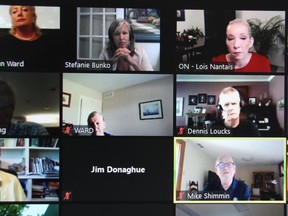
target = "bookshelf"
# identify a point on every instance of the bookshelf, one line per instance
(36, 161)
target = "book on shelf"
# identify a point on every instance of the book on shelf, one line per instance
(43, 166)
(38, 191)
(52, 189)
(45, 189)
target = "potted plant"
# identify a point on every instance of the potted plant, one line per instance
(267, 35)
(195, 32)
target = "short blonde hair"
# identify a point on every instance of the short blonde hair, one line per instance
(245, 23)
(241, 21)
(36, 29)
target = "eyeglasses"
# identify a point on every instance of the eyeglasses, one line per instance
(228, 165)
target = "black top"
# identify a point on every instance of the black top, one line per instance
(245, 128)
(42, 54)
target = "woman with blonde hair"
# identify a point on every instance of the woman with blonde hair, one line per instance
(122, 50)
(239, 42)
(25, 44)
(24, 25)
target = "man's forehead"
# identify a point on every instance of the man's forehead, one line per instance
(225, 158)
(231, 96)
(97, 117)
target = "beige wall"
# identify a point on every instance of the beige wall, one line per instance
(71, 114)
(122, 110)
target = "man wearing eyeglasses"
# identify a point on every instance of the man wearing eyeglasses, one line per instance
(225, 168)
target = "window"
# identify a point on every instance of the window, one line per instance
(92, 30)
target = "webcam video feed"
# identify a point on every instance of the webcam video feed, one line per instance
(117, 104)
(229, 170)
(29, 104)
(237, 106)
(104, 110)
(220, 40)
(122, 39)
(26, 33)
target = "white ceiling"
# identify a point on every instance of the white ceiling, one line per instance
(245, 151)
(109, 82)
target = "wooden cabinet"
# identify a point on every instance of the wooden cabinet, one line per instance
(265, 181)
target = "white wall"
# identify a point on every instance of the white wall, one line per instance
(47, 17)
(70, 114)
(193, 18)
(153, 52)
(122, 110)
(196, 166)
(277, 55)
(196, 18)
(262, 15)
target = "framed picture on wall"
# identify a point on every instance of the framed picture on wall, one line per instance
(202, 98)
(150, 110)
(66, 99)
(180, 15)
(211, 99)
(193, 100)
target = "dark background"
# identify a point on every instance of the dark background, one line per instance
(79, 154)
(121, 194)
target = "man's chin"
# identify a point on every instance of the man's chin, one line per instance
(232, 118)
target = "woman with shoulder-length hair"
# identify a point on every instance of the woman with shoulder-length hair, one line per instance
(27, 44)
(122, 50)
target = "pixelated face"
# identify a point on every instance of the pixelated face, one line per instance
(225, 168)
(238, 40)
(230, 103)
(22, 15)
(121, 37)
(98, 124)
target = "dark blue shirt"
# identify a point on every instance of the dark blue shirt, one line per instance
(238, 189)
